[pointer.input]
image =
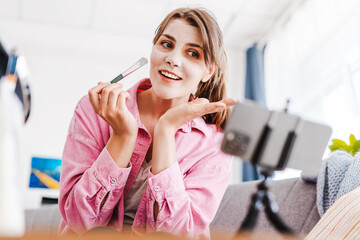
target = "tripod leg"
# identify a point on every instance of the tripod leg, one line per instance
(252, 214)
(271, 211)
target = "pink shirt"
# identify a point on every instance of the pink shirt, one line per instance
(188, 192)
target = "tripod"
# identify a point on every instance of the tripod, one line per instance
(262, 197)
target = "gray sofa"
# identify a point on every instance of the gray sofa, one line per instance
(296, 200)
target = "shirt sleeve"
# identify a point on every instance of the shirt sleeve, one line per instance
(91, 184)
(187, 203)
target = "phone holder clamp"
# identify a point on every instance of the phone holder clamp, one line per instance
(263, 198)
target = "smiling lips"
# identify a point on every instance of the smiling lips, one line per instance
(170, 75)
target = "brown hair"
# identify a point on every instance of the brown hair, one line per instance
(214, 89)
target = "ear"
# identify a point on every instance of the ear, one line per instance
(208, 73)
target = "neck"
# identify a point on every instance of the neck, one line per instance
(152, 105)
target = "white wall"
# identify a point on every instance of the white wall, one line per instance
(236, 89)
(65, 63)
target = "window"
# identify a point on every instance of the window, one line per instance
(314, 60)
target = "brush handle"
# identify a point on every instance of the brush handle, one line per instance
(141, 62)
(118, 78)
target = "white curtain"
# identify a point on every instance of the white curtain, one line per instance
(314, 60)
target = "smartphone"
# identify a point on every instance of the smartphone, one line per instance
(274, 139)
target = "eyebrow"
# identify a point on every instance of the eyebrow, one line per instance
(190, 44)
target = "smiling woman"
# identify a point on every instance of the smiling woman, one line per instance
(150, 157)
(178, 60)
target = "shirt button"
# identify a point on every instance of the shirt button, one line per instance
(156, 188)
(113, 180)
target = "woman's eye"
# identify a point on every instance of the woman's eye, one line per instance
(166, 44)
(194, 54)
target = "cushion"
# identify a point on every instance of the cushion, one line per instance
(341, 220)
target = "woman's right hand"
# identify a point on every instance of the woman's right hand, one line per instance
(108, 101)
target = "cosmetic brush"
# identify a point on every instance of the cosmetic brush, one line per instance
(141, 62)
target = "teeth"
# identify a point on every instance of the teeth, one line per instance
(169, 75)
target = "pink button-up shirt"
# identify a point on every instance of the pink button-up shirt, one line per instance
(188, 193)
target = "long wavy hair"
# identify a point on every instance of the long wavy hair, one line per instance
(212, 40)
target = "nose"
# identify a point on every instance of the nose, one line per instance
(174, 58)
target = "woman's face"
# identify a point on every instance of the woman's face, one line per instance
(177, 62)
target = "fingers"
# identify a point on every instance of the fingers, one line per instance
(222, 105)
(199, 101)
(123, 96)
(230, 101)
(113, 97)
(105, 95)
(109, 95)
(94, 94)
(215, 107)
(201, 106)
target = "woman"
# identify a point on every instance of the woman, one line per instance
(150, 156)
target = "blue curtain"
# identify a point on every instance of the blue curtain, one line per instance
(254, 90)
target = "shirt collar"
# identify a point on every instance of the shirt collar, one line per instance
(145, 84)
(132, 105)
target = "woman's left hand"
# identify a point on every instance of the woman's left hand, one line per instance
(176, 116)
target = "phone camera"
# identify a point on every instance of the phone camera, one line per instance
(236, 143)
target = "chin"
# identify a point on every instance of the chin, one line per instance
(164, 92)
(168, 91)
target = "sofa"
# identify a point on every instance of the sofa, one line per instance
(296, 200)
